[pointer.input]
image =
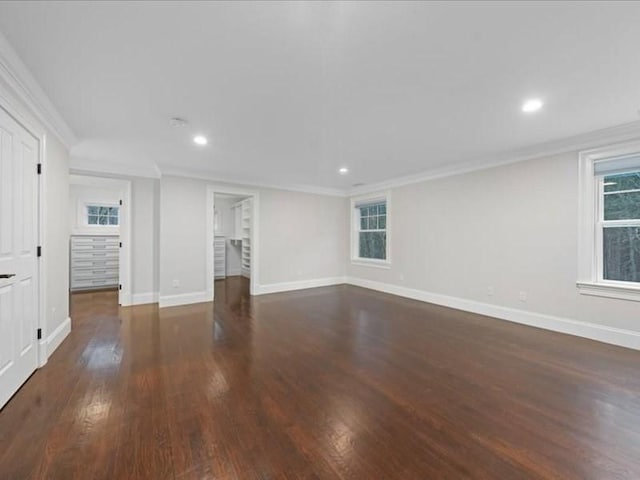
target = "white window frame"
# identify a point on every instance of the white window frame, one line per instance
(355, 229)
(85, 214)
(591, 224)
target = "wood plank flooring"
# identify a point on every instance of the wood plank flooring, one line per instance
(330, 383)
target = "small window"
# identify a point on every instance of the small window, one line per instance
(370, 231)
(103, 216)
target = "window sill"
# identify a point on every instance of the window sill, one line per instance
(611, 290)
(361, 262)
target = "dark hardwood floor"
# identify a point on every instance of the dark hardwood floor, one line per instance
(330, 383)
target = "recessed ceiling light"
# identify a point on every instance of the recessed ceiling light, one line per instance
(343, 170)
(532, 105)
(200, 140)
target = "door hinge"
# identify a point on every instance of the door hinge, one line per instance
(39, 251)
(39, 334)
(120, 287)
(39, 169)
(120, 244)
(120, 202)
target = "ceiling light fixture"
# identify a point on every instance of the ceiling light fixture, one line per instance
(532, 105)
(178, 122)
(343, 170)
(200, 140)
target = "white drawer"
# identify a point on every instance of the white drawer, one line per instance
(95, 240)
(94, 272)
(95, 262)
(95, 248)
(94, 283)
(94, 254)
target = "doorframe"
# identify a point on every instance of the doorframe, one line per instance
(14, 111)
(125, 296)
(212, 189)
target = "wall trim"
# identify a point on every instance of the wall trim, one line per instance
(183, 299)
(611, 335)
(596, 138)
(236, 182)
(299, 285)
(24, 86)
(82, 166)
(58, 335)
(144, 298)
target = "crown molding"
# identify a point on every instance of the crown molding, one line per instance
(84, 166)
(593, 139)
(210, 176)
(22, 85)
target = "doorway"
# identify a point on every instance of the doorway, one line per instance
(99, 242)
(232, 232)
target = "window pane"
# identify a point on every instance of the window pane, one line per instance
(113, 220)
(364, 211)
(373, 245)
(113, 211)
(622, 206)
(622, 254)
(373, 223)
(625, 181)
(382, 208)
(93, 219)
(373, 210)
(382, 222)
(102, 220)
(92, 210)
(364, 224)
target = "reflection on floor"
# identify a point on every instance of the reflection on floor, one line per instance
(328, 383)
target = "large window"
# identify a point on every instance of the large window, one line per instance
(103, 215)
(370, 231)
(619, 226)
(609, 235)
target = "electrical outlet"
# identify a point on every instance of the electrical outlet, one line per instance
(522, 296)
(490, 291)
(176, 283)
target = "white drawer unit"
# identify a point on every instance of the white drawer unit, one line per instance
(220, 257)
(94, 261)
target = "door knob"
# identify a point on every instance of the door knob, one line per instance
(7, 275)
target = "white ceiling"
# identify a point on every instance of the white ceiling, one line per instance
(289, 92)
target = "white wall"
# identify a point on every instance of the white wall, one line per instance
(145, 239)
(56, 245)
(513, 228)
(301, 237)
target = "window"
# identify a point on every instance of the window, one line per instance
(370, 231)
(619, 227)
(102, 215)
(609, 236)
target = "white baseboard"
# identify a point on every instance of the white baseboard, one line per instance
(144, 298)
(299, 285)
(184, 299)
(601, 333)
(58, 335)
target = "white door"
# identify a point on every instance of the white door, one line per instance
(18, 255)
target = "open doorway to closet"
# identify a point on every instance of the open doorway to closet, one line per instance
(231, 242)
(98, 243)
